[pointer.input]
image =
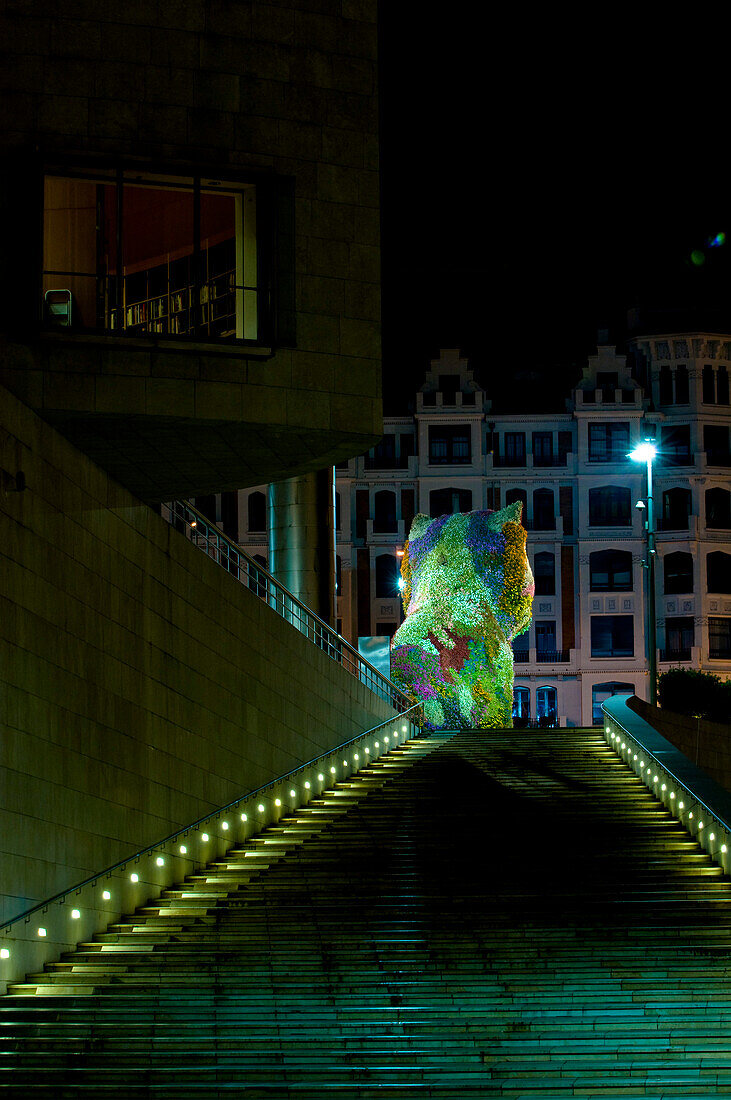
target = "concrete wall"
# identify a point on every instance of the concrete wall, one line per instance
(141, 684)
(277, 92)
(707, 744)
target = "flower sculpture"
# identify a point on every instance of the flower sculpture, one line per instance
(467, 592)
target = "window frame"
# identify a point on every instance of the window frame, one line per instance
(198, 179)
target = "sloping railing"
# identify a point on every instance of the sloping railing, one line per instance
(691, 796)
(230, 556)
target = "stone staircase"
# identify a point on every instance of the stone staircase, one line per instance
(502, 914)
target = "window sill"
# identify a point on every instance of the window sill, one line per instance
(151, 342)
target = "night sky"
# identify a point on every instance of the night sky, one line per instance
(533, 192)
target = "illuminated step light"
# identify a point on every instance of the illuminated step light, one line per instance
(378, 744)
(367, 751)
(75, 914)
(672, 794)
(642, 763)
(204, 837)
(332, 770)
(690, 815)
(681, 805)
(320, 776)
(134, 877)
(106, 896)
(183, 850)
(292, 793)
(711, 836)
(345, 763)
(355, 756)
(260, 807)
(624, 745)
(655, 778)
(224, 825)
(307, 785)
(723, 848)
(42, 933)
(160, 861)
(244, 817)
(403, 729)
(4, 953)
(386, 738)
(700, 824)
(277, 802)
(664, 787)
(635, 756)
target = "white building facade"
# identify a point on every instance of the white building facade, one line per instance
(586, 537)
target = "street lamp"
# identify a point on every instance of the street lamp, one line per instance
(645, 452)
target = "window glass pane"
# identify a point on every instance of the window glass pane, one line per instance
(709, 385)
(544, 573)
(610, 571)
(609, 506)
(718, 508)
(718, 571)
(612, 635)
(678, 571)
(601, 692)
(719, 637)
(521, 704)
(79, 251)
(675, 445)
(682, 388)
(545, 637)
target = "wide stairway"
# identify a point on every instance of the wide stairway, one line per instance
(496, 914)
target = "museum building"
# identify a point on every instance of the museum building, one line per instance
(583, 509)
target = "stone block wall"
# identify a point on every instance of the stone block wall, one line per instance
(141, 684)
(707, 744)
(283, 91)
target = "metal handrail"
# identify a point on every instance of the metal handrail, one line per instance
(658, 778)
(135, 857)
(228, 554)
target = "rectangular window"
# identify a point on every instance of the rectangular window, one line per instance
(609, 506)
(515, 448)
(680, 637)
(449, 445)
(545, 637)
(608, 442)
(675, 445)
(136, 253)
(719, 637)
(715, 444)
(612, 635)
(542, 448)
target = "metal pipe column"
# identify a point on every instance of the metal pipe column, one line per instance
(302, 539)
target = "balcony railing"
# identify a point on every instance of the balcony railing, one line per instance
(549, 460)
(385, 462)
(515, 461)
(675, 654)
(521, 656)
(552, 656)
(720, 652)
(212, 541)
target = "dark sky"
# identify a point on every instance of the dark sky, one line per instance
(535, 188)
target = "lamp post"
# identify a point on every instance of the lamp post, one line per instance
(645, 452)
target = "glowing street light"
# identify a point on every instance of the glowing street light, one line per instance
(645, 452)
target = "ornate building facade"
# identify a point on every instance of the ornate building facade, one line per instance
(586, 535)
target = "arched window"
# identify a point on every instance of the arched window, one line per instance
(675, 509)
(384, 513)
(601, 692)
(547, 706)
(678, 569)
(387, 575)
(718, 508)
(518, 494)
(610, 571)
(544, 517)
(544, 573)
(257, 507)
(609, 506)
(718, 572)
(521, 706)
(444, 502)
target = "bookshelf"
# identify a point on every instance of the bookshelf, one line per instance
(163, 297)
